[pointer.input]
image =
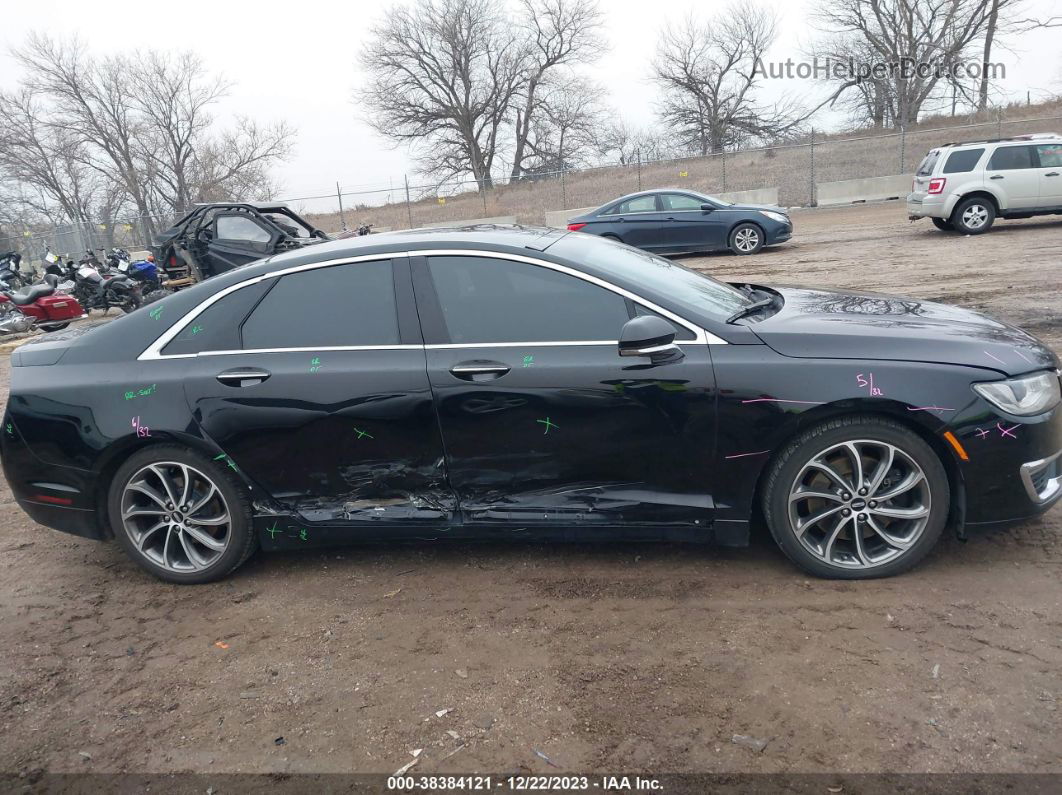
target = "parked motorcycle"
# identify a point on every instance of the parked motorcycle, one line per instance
(142, 271)
(11, 275)
(100, 290)
(38, 306)
(64, 272)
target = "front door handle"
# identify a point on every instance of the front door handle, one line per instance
(243, 377)
(1051, 174)
(996, 176)
(479, 370)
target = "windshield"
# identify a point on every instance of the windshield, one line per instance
(686, 289)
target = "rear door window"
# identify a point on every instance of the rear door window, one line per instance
(1011, 158)
(338, 306)
(641, 204)
(963, 160)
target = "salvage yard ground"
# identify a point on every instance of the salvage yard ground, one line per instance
(602, 658)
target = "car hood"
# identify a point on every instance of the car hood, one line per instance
(754, 207)
(832, 324)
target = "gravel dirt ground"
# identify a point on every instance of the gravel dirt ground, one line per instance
(543, 658)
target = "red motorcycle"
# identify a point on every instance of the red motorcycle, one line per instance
(37, 306)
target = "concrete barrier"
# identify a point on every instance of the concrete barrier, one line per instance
(559, 218)
(501, 219)
(757, 196)
(868, 189)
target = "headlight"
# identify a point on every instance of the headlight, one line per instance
(782, 219)
(1024, 396)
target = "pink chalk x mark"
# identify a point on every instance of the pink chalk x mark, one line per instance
(994, 357)
(779, 400)
(929, 408)
(983, 433)
(746, 455)
(1007, 431)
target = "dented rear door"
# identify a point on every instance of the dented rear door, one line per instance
(323, 400)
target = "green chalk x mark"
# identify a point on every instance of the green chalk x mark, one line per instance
(548, 425)
(273, 531)
(362, 433)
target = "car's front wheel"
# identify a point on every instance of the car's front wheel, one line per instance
(746, 239)
(856, 498)
(180, 515)
(973, 216)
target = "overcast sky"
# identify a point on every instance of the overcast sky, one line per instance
(297, 61)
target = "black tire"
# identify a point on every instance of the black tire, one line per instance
(792, 463)
(746, 238)
(156, 295)
(943, 224)
(56, 327)
(973, 216)
(240, 540)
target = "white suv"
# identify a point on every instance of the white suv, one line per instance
(966, 186)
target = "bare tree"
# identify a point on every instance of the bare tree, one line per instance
(626, 144)
(173, 95)
(568, 130)
(708, 76)
(918, 45)
(559, 34)
(442, 75)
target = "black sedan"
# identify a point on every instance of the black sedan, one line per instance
(528, 383)
(682, 222)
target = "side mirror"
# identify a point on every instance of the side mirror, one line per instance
(708, 207)
(650, 336)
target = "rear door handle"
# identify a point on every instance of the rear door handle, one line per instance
(1051, 174)
(243, 377)
(479, 370)
(996, 176)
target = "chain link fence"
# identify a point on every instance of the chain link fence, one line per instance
(794, 168)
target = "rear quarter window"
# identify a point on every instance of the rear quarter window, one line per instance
(963, 160)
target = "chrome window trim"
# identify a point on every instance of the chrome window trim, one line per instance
(154, 351)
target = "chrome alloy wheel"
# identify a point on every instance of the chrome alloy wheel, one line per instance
(975, 216)
(859, 504)
(176, 516)
(746, 239)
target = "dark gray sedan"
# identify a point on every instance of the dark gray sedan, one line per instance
(673, 221)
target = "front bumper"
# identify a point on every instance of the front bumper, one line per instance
(780, 234)
(1014, 470)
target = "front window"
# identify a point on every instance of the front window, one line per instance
(1050, 155)
(680, 202)
(487, 300)
(242, 228)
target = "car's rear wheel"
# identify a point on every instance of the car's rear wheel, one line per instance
(746, 239)
(856, 498)
(973, 216)
(180, 515)
(943, 224)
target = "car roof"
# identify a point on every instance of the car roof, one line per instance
(490, 237)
